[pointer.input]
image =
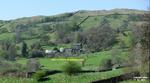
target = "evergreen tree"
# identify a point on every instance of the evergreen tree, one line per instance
(24, 49)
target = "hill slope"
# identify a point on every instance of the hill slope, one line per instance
(33, 29)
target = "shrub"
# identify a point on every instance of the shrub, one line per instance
(107, 64)
(122, 44)
(3, 30)
(24, 49)
(2, 54)
(71, 68)
(6, 67)
(116, 57)
(38, 75)
(33, 65)
(36, 53)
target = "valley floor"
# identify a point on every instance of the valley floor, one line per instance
(93, 61)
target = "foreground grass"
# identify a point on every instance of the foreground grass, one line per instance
(133, 81)
(16, 80)
(63, 78)
(85, 77)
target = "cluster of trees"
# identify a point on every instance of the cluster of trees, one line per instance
(36, 50)
(99, 38)
(93, 40)
(3, 30)
(133, 17)
(63, 32)
(8, 50)
(18, 70)
(141, 47)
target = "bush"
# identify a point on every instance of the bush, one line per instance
(2, 54)
(38, 75)
(116, 57)
(107, 64)
(33, 65)
(71, 68)
(36, 53)
(3, 30)
(6, 67)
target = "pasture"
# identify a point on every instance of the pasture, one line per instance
(92, 63)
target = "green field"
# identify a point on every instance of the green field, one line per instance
(130, 81)
(93, 61)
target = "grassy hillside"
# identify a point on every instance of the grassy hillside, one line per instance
(43, 31)
(33, 28)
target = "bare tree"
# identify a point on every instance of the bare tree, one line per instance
(33, 65)
(141, 47)
(99, 38)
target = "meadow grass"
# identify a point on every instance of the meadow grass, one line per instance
(133, 81)
(92, 62)
(6, 36)
(16, 80)
(63, 78)
(84, 77)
